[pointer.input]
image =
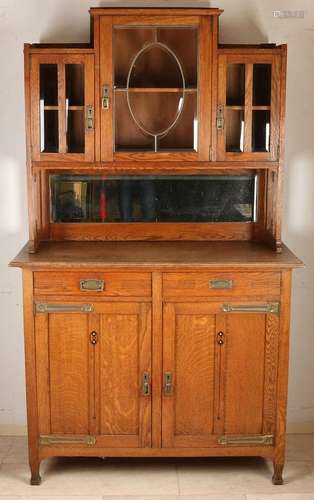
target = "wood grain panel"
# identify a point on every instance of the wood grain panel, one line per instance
(42, 373)
(244, 373)
(271, 366)
(68, 360)
(125, 354)
(251, 284)
(189, 357)
(115, 284)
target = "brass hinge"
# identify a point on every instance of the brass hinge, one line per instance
(105, 99)
(50, 440)
(258, 439)
(251, 308)
(90, 117)
(55, 308)
(220, 117)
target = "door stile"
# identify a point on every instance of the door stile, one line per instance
(157, 333)
(106, 78)
(145, 365)
(271, 366)
(168, 367)
(219, 376)
(221, 100)
(205, 88)
(94, 384)
(89, 101)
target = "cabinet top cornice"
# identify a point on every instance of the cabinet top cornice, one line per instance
(142, 11)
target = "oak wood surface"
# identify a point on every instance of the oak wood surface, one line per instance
(90, 255)
(256, 284)
(115, 284)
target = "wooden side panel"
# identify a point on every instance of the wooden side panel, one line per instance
(189, 357)
(244, 373)
(68, 359)
(125, 352)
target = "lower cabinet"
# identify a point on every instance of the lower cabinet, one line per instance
(94, 374)
(94, 371)
(220, 375)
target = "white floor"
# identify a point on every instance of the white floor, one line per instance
(157, 479)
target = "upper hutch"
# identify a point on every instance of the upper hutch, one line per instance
(155, 109)
(139, 344)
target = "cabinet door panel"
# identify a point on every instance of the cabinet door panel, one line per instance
(189, 358)
(250, 373)
(62, 373)
(244, 373)
(124, 358)
(62, 107)
(248, 112)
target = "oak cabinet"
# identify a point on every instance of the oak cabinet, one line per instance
(156, 309)
(93, 372)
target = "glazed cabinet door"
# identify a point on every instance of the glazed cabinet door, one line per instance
(247, 356)
(188, 372)
(62, 107)
(248, 110)
(93, 368)
(155, 87)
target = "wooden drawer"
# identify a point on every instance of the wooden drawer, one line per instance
(86, 283)
(222, 284)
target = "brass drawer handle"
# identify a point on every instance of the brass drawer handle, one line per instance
(220, 284)
(92, 285)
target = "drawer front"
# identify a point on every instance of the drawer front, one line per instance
(222, 284)
(115, 284)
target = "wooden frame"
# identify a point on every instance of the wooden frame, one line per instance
(61, 60)
(206, 49)
(249, 57)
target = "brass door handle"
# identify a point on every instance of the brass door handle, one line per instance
(146, 384)
(168, 387)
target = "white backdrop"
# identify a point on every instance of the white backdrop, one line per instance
(243, 22)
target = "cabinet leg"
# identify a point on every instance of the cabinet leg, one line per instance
(35, 476)
(277, 477)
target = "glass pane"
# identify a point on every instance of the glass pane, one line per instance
(155, 66)
(155, 112)
(49, 131)
(49, 84)
(128, 136)
(234, 130)
(153, 198)
(75, 131)
(261, 131)
(127, 42)
(184, 134)
(176, 40)
(74, 84)
(235, 85)
(157, 70)
(261, 84)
